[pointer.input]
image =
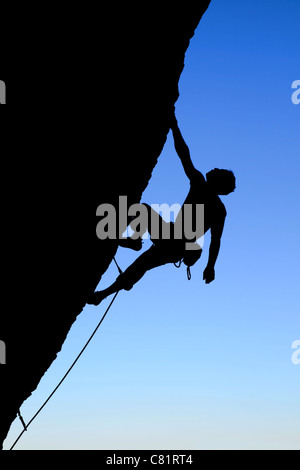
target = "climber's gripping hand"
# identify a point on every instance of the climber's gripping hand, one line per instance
(209, 274)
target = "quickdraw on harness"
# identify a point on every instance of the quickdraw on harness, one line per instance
(189, 259)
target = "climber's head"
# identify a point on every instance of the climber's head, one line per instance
(221, 181)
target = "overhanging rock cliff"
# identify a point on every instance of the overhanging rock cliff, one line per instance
(106, 87)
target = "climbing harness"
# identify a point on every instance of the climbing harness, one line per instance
(188, 269)
(189, 259)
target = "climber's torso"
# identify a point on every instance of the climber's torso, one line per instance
(211, 209)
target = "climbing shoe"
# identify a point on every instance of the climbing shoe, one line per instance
(95, 298)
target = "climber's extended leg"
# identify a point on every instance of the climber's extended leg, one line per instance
(152, 258)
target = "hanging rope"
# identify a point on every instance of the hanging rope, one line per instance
(22, 420)
(64, 377)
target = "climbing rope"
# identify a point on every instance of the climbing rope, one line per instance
(64, 377)
(119, 269)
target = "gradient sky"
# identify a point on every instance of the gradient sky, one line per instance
(184, 365)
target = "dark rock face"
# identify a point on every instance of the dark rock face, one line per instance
(105, 89)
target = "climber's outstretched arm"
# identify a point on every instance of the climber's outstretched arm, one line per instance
(182, 150)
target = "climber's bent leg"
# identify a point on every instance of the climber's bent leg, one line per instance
(158, 228)
(134, 242)
(152, 222)
(135, 245)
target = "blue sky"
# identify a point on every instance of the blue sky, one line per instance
(179, 364)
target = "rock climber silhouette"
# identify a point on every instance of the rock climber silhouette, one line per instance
(174, 250)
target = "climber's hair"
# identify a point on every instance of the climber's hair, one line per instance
(222, 180)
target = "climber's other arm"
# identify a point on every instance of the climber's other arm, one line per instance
(214, 249)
